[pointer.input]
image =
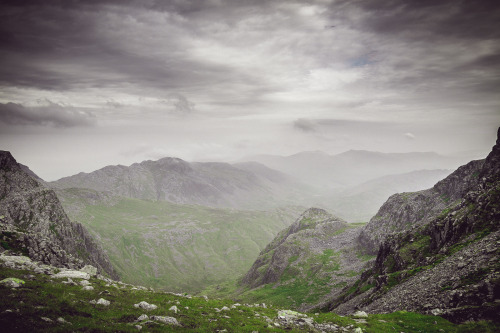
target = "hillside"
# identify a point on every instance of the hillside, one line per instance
(33, 221)
(171, 246)
(305, 262)
(444, 262)
(209, 184)
(43, 298)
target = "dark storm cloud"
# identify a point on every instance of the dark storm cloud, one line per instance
(60, 45)
(53, 114)
(428, 18)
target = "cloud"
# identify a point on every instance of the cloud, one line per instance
(304, 125)
(409, 136)
(180, 103)
(52, 114)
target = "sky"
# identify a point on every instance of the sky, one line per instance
(85, 84)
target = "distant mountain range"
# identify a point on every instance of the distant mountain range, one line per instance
(354, 166)
(243, 186)
(353, 185)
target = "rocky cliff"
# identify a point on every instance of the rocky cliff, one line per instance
(403, 211)
(33, 222)
(448, 262)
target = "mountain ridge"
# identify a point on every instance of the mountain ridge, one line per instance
(33, 221)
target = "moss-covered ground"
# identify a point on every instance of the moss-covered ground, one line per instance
(22, 309)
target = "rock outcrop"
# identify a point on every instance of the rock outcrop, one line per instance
(447, 263)
(403, 211)
(33, 222)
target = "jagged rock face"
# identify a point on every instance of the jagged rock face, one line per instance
(318, 250)
(33, 220)
(403, 211)
(448, 267)
(177, 181)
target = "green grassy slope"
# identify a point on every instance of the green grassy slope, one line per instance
(179, 247)
(43, 304)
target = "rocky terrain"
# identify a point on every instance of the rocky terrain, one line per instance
(33, 221)
(405, 210)
(316, 255)
(442, 262)
(208, 184)
(42, 298)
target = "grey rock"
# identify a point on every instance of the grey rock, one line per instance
(143, 317)
(146, 306)
(102, 301)
(166, 320)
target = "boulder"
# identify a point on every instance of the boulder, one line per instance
(71, 274)
(166, 320)
(146, 306)
(12, 282)
(89, 269)
(102, 301)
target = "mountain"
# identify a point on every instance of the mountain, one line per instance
(177, 181)
(361, 202)
(437, 250)
(305, 262)
(33, 222)
(352, 167)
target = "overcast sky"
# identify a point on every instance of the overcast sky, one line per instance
(86, 84)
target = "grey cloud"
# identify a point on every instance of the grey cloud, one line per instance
(180, 103)
(410, 136)
(304, 125)
(53, 115)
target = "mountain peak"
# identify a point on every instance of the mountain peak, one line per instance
(7, 161)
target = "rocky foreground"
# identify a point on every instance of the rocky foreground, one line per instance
(40, 297)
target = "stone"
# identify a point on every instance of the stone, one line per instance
(166, 320)
(360, 314)
(225, 308)
(146, 306)
(12, 282)
(88, 288)
(139, 327)
(48, 320)
(84, 283)
(21, 260)
(358, 330)
(89, 269)
(102, 301)
(63, 321)
(143, 317)
(71, 274)
(174, 308)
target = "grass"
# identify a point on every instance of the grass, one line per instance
(41, 296)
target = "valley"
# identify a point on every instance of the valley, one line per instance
(177, 247)
(284, 254)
